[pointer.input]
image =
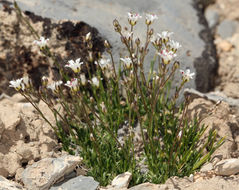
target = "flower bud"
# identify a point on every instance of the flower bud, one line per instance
(137, 41)
(91, 99)
(176, 65)
(117, 26)
(88, 37)
(44, 81)
(106, 44)
(151, 32)
(90, 58)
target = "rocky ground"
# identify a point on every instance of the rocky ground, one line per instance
(30, 156)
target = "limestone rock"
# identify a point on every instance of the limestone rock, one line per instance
(227, 167)
(207, 167)
(42, 174)
(77, 183)
(122, 180)
(9, 185)
(23, 136)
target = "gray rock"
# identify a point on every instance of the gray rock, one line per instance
(227, 28)
(77, 183)
(212, 17)
(44, 173)
(9, 185)
(180, 17)
(215, 97)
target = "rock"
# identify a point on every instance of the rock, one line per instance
(193, 35)
(122, 180)
(9, 185)
(77, 183)
(216, 116)
(24, 137)
(224, 45)
(42, 174)
(212, 17)
(227, 28)
(227, 167)
(147, 186)
(207, 167)
(9, 115)
(231, 89)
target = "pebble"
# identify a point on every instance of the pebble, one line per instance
(122, 180)
(77, 183)
(44, 173)
(227, 167)
(227, 28)
(207, 167)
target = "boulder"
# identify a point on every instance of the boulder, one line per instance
(184, 18)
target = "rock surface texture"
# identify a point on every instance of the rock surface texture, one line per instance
(44, 173)
(198, 52)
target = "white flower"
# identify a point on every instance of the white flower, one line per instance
(42, 42)
(165, 35)
(174, 45)
(75, 65)
(127, 34)
(187, 75)
(155, 40)
(73, 84)
(166, 55)
(55, 86)
(133, 18)
(95, 81)
(127, 61)
(17, 84)
(83, 79)
(150, 18)
(103, 63)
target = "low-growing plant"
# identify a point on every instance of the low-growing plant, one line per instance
(96, 105)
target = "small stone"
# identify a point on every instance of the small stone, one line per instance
(9, 185)
(207, 167)
(227, 28)
(122, 180)
(227, 167)
(212, 17)
(224, 45)
(80, 182)
(42, 174)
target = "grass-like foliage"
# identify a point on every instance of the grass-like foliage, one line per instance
(158, 139)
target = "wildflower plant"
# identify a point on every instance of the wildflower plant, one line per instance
(98, 104)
